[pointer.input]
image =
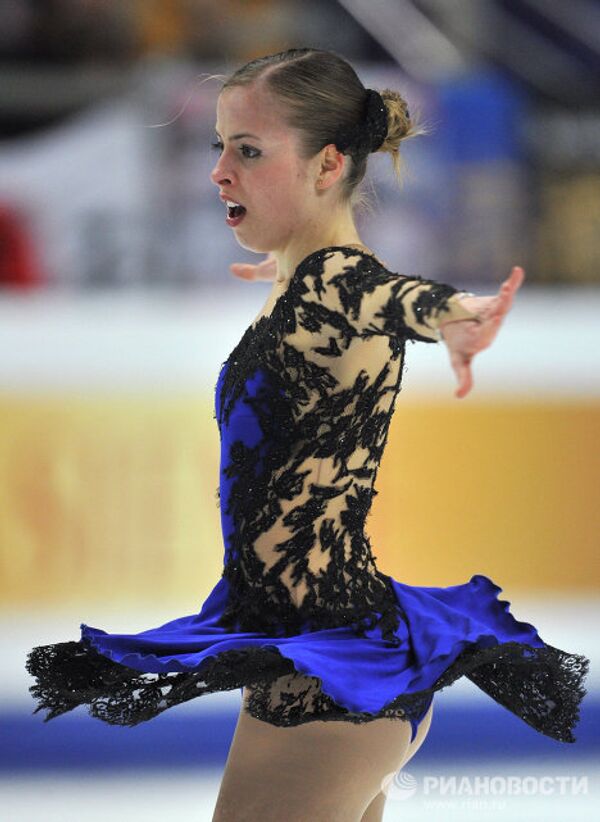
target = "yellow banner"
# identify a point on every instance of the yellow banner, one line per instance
(113, 499)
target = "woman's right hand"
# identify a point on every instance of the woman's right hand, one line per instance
(265, 271)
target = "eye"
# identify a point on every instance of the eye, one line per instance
(249, 148)
(218, 146)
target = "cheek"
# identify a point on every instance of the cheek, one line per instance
(282, 186)
(275, 186)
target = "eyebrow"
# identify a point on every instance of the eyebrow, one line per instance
(238, 136)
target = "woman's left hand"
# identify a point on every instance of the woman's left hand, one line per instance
(465, 338)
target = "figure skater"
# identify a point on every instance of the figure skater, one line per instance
(338, 663)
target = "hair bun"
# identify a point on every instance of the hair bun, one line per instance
(369, 135)
(376, 118)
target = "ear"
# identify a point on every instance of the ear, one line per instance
(331, 166)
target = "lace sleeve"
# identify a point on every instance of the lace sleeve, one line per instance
(351, 293)
(425, 305)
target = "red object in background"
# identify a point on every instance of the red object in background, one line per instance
(19, 266)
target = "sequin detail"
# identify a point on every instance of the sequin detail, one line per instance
(368, 135)
(303, 406)
(330, 360)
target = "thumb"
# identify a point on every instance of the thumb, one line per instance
(244, 271)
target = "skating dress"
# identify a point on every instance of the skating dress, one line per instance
(301, 615)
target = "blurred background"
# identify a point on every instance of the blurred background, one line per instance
(117, 307)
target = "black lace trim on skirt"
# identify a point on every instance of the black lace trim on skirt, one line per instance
(542, 686)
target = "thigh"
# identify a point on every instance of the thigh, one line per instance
(374, 812)
(422, 732)
(326, 771)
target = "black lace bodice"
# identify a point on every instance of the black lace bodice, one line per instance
(319, 375)
(303, 405)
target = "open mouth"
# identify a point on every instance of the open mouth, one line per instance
(235, 211)
(235, 215)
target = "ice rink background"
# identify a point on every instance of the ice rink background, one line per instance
(117, 308)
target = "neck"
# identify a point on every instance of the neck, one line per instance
(289, 257)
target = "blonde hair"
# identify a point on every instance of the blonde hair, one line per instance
(318, 93)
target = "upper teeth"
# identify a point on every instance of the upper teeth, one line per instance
(231, 204)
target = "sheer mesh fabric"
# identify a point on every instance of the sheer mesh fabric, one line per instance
(319, 374)
(330, 354)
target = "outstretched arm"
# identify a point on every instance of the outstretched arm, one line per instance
(465, 338)
(412, 307)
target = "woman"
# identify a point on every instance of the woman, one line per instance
(338, 663)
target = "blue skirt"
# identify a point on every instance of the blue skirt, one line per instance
(445, 633)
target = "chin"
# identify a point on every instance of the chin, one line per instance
(256, 246)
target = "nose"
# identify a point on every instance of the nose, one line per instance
(220, 175)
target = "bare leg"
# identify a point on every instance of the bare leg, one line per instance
(374, 813)
(322, 771)
(422, 732)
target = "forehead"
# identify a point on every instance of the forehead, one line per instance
(249, 109)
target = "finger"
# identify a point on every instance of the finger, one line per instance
(465, 379)
(243, 270)
(507, 290)
(513, 281)
(519, 274)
